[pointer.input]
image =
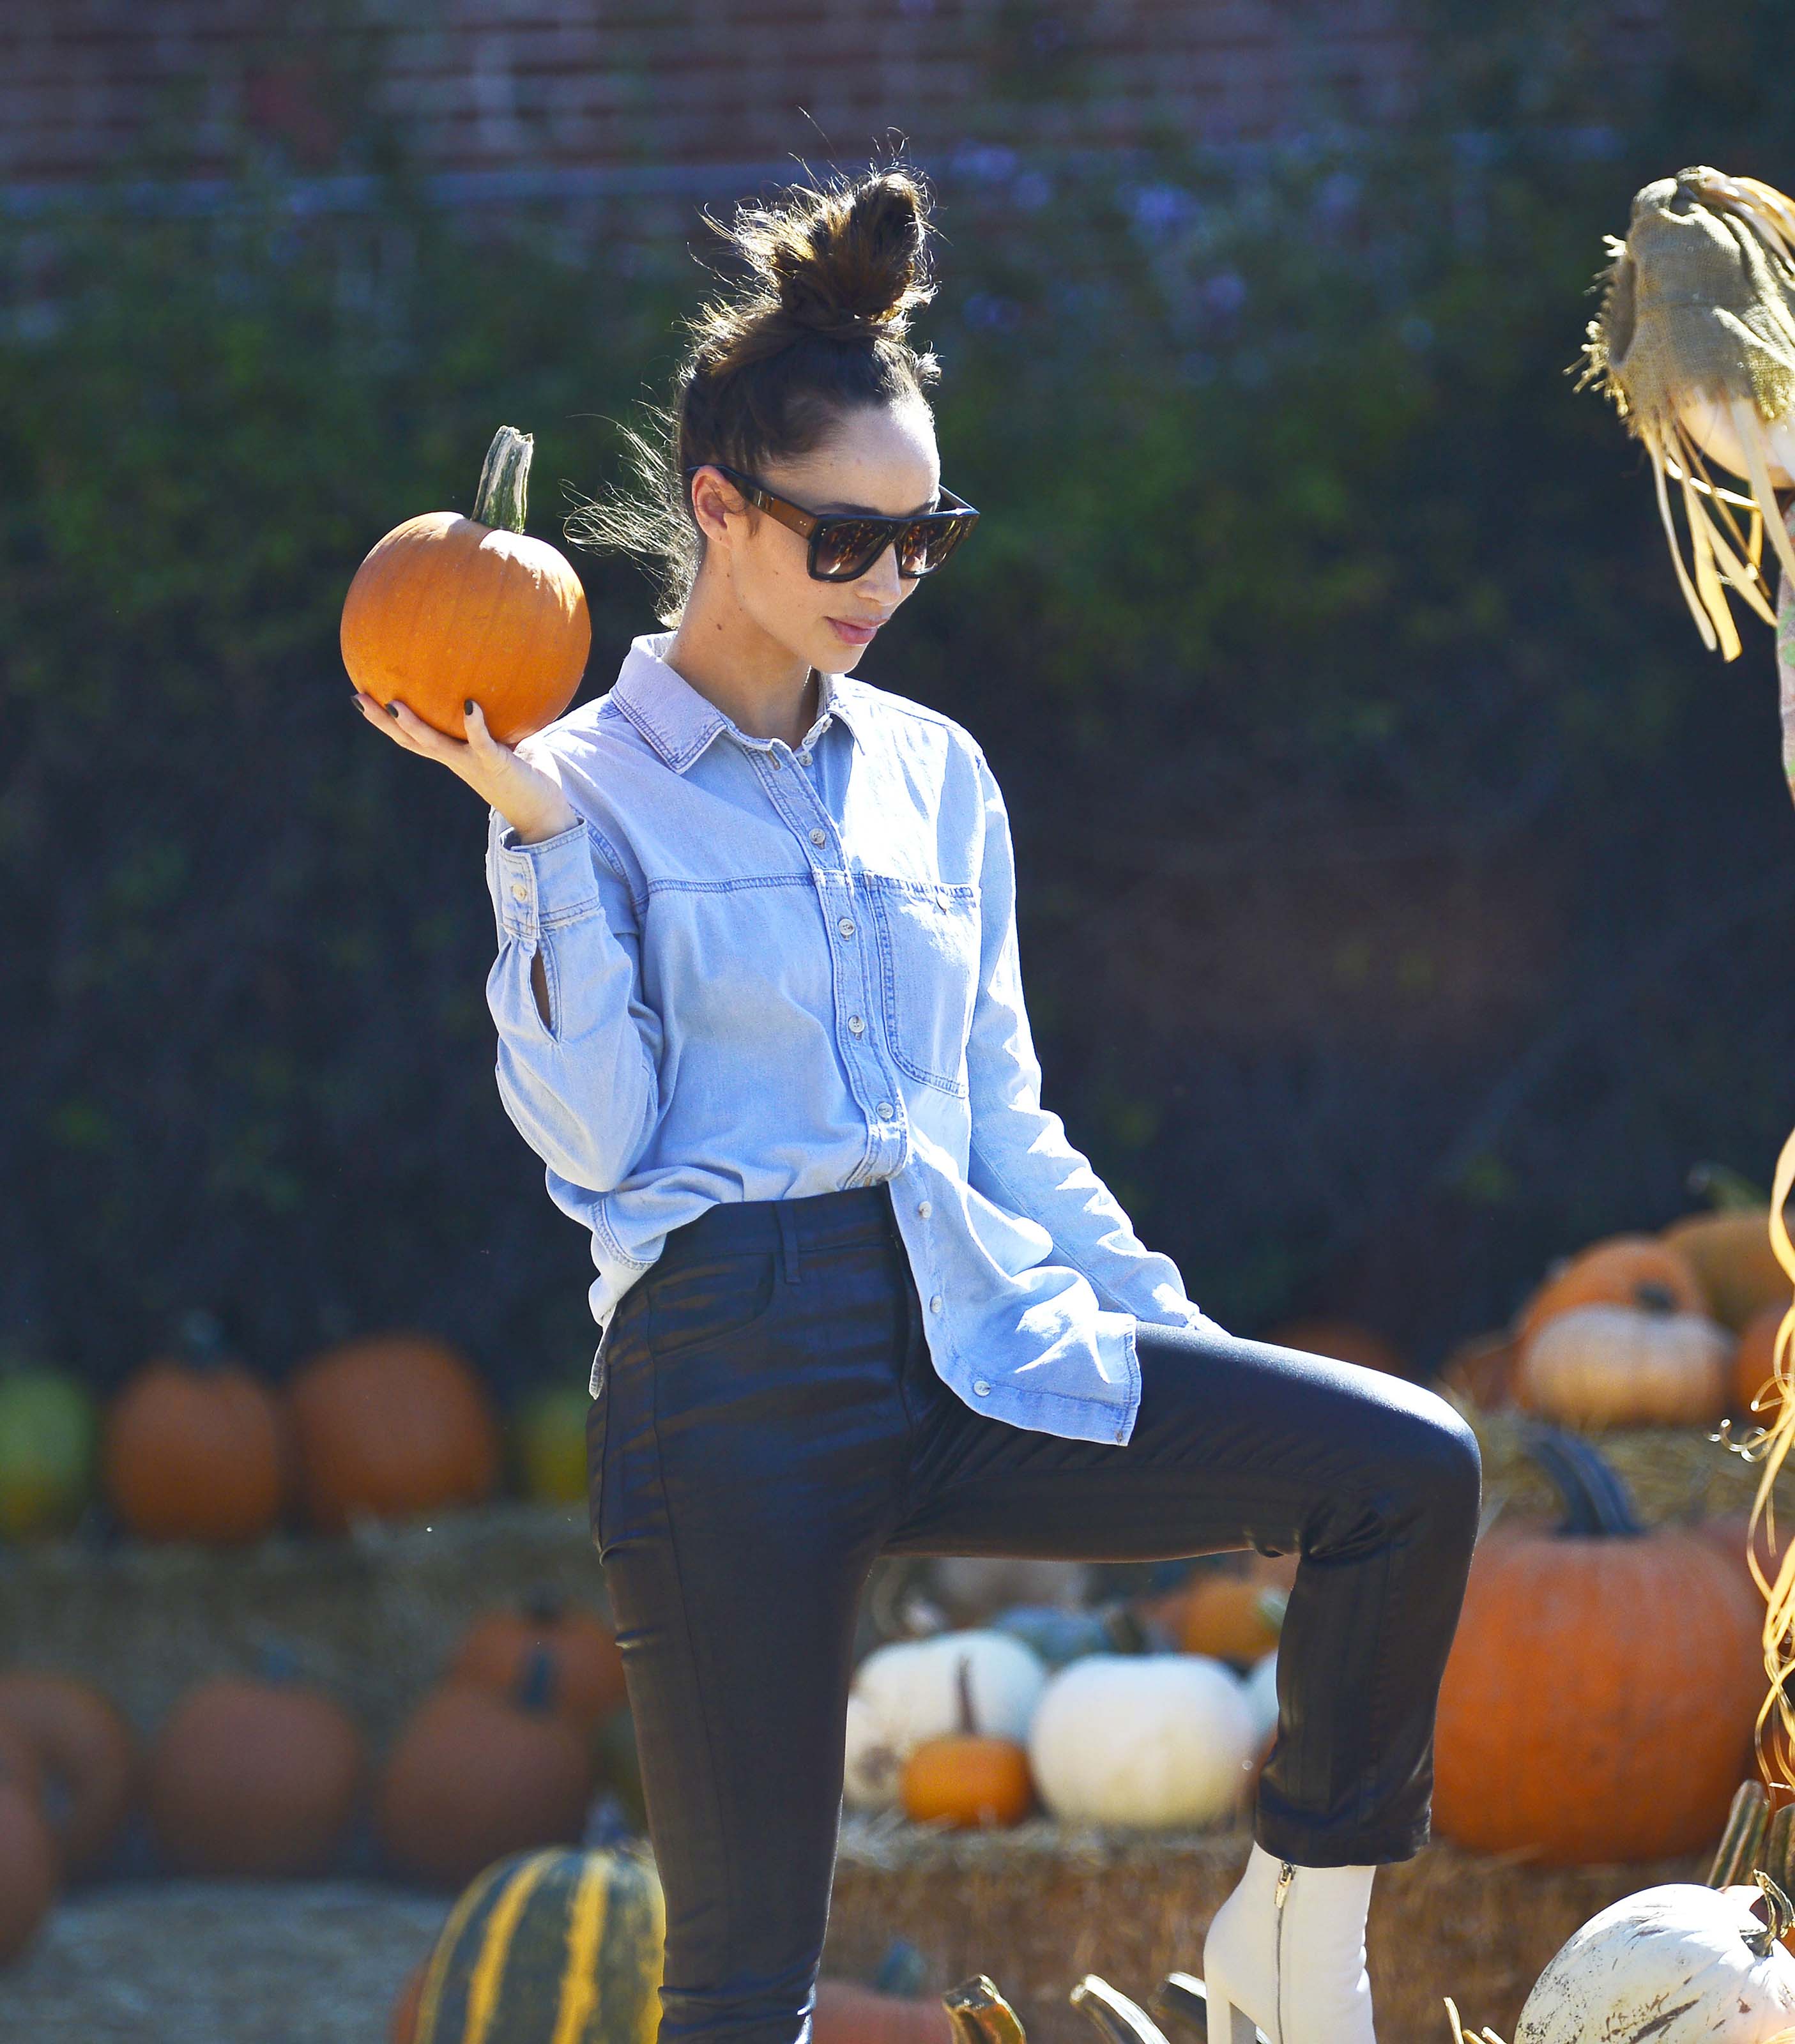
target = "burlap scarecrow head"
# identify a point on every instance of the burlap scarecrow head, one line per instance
(1695, 342)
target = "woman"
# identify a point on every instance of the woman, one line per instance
(760, 1010)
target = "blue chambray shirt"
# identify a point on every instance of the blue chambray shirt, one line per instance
(773, 973)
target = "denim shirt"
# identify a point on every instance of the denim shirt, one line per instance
(774, 972)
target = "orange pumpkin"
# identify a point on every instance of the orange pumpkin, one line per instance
(1482, 1368)
(1232, 1617)
(1730, 1252)
(588, 1679)
(473, 1776)
(1755, 1365)
(1343, 1341)
(28, 1870)
(255, 1776)
(1619, 1270)
(90, 1757)
(446, 607)
(391, 1425)
(967, 1779)
(845, 2012)
(192, 1446)
(1565, 1729)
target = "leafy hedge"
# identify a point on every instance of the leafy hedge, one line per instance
(1435, 883)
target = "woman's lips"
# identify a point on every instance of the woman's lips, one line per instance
(856, 635)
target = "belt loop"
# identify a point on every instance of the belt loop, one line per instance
(788, 1239)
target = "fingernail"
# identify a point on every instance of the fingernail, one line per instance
(468, 705)
(393, 711)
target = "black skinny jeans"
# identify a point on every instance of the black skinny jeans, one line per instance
(769, 1422)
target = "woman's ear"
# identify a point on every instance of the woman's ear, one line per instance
(713, 497)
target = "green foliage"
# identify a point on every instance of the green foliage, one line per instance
(1299, 552)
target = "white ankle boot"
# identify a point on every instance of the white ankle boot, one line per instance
(1286, 1951)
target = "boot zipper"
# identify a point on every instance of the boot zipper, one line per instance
(1286, 1873)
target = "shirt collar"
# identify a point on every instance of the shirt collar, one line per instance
(679, 723)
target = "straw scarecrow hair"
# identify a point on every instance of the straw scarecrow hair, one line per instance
(1695, 342)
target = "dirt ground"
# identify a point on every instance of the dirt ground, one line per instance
(183, 1961)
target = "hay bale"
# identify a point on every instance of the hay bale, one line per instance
(1039, 1906)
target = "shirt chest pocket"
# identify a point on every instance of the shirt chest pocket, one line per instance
(928, 943)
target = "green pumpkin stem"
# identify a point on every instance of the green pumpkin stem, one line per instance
(1727, 1190)
(504, 480)
(1595, 1499)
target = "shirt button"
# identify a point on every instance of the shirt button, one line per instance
(856, 1023)
(925, 1208)
(520, 890)
(980, 1386)
(934, 1304)
(846, 926)
(819, 836)
(805, 757)
(884, 1110)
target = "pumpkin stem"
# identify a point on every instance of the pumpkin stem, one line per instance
(504, 480)
(1650, 1297)
(1727, 1190)
(1595, 1499)
(1782, 1914)
(968, 1725)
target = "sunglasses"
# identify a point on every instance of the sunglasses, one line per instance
(844, 545)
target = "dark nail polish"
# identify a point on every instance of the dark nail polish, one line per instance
(393, 711)
(468, 706)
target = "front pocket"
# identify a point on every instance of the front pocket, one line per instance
(928, 938)
(708, 1301)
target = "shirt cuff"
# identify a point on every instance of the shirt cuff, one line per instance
(550, 881)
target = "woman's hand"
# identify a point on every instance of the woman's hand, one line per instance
(523, 795)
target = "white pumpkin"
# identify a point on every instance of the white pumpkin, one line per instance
(1152, 1740)
(1616, 1365)
(908, 1690)
(1260, 1686)
(1682, 1964)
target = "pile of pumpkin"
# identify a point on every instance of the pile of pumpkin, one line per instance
(985, 1724)
(1671, 1329)
(196, 1445)
(262, 1774)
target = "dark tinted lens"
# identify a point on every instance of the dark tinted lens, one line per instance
(925, 545)
(845, 547)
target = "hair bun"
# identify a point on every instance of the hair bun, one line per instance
(848, 260)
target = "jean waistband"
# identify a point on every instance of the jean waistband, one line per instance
(820, 1221)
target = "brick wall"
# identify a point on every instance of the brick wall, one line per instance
(653, 94)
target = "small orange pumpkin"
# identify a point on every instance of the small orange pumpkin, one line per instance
(1482, 1368)
(966, 1778)
(1640, 1365)
(445, 608)
(1730, 1252)
(192, 1446)
(255, 1776)
(1755, 1365)
(392, 1424)
(473, 1776)
(1619, 1270)
(1232, 1617)
(90, 1758)
(589, 1678)
(28, 1868)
